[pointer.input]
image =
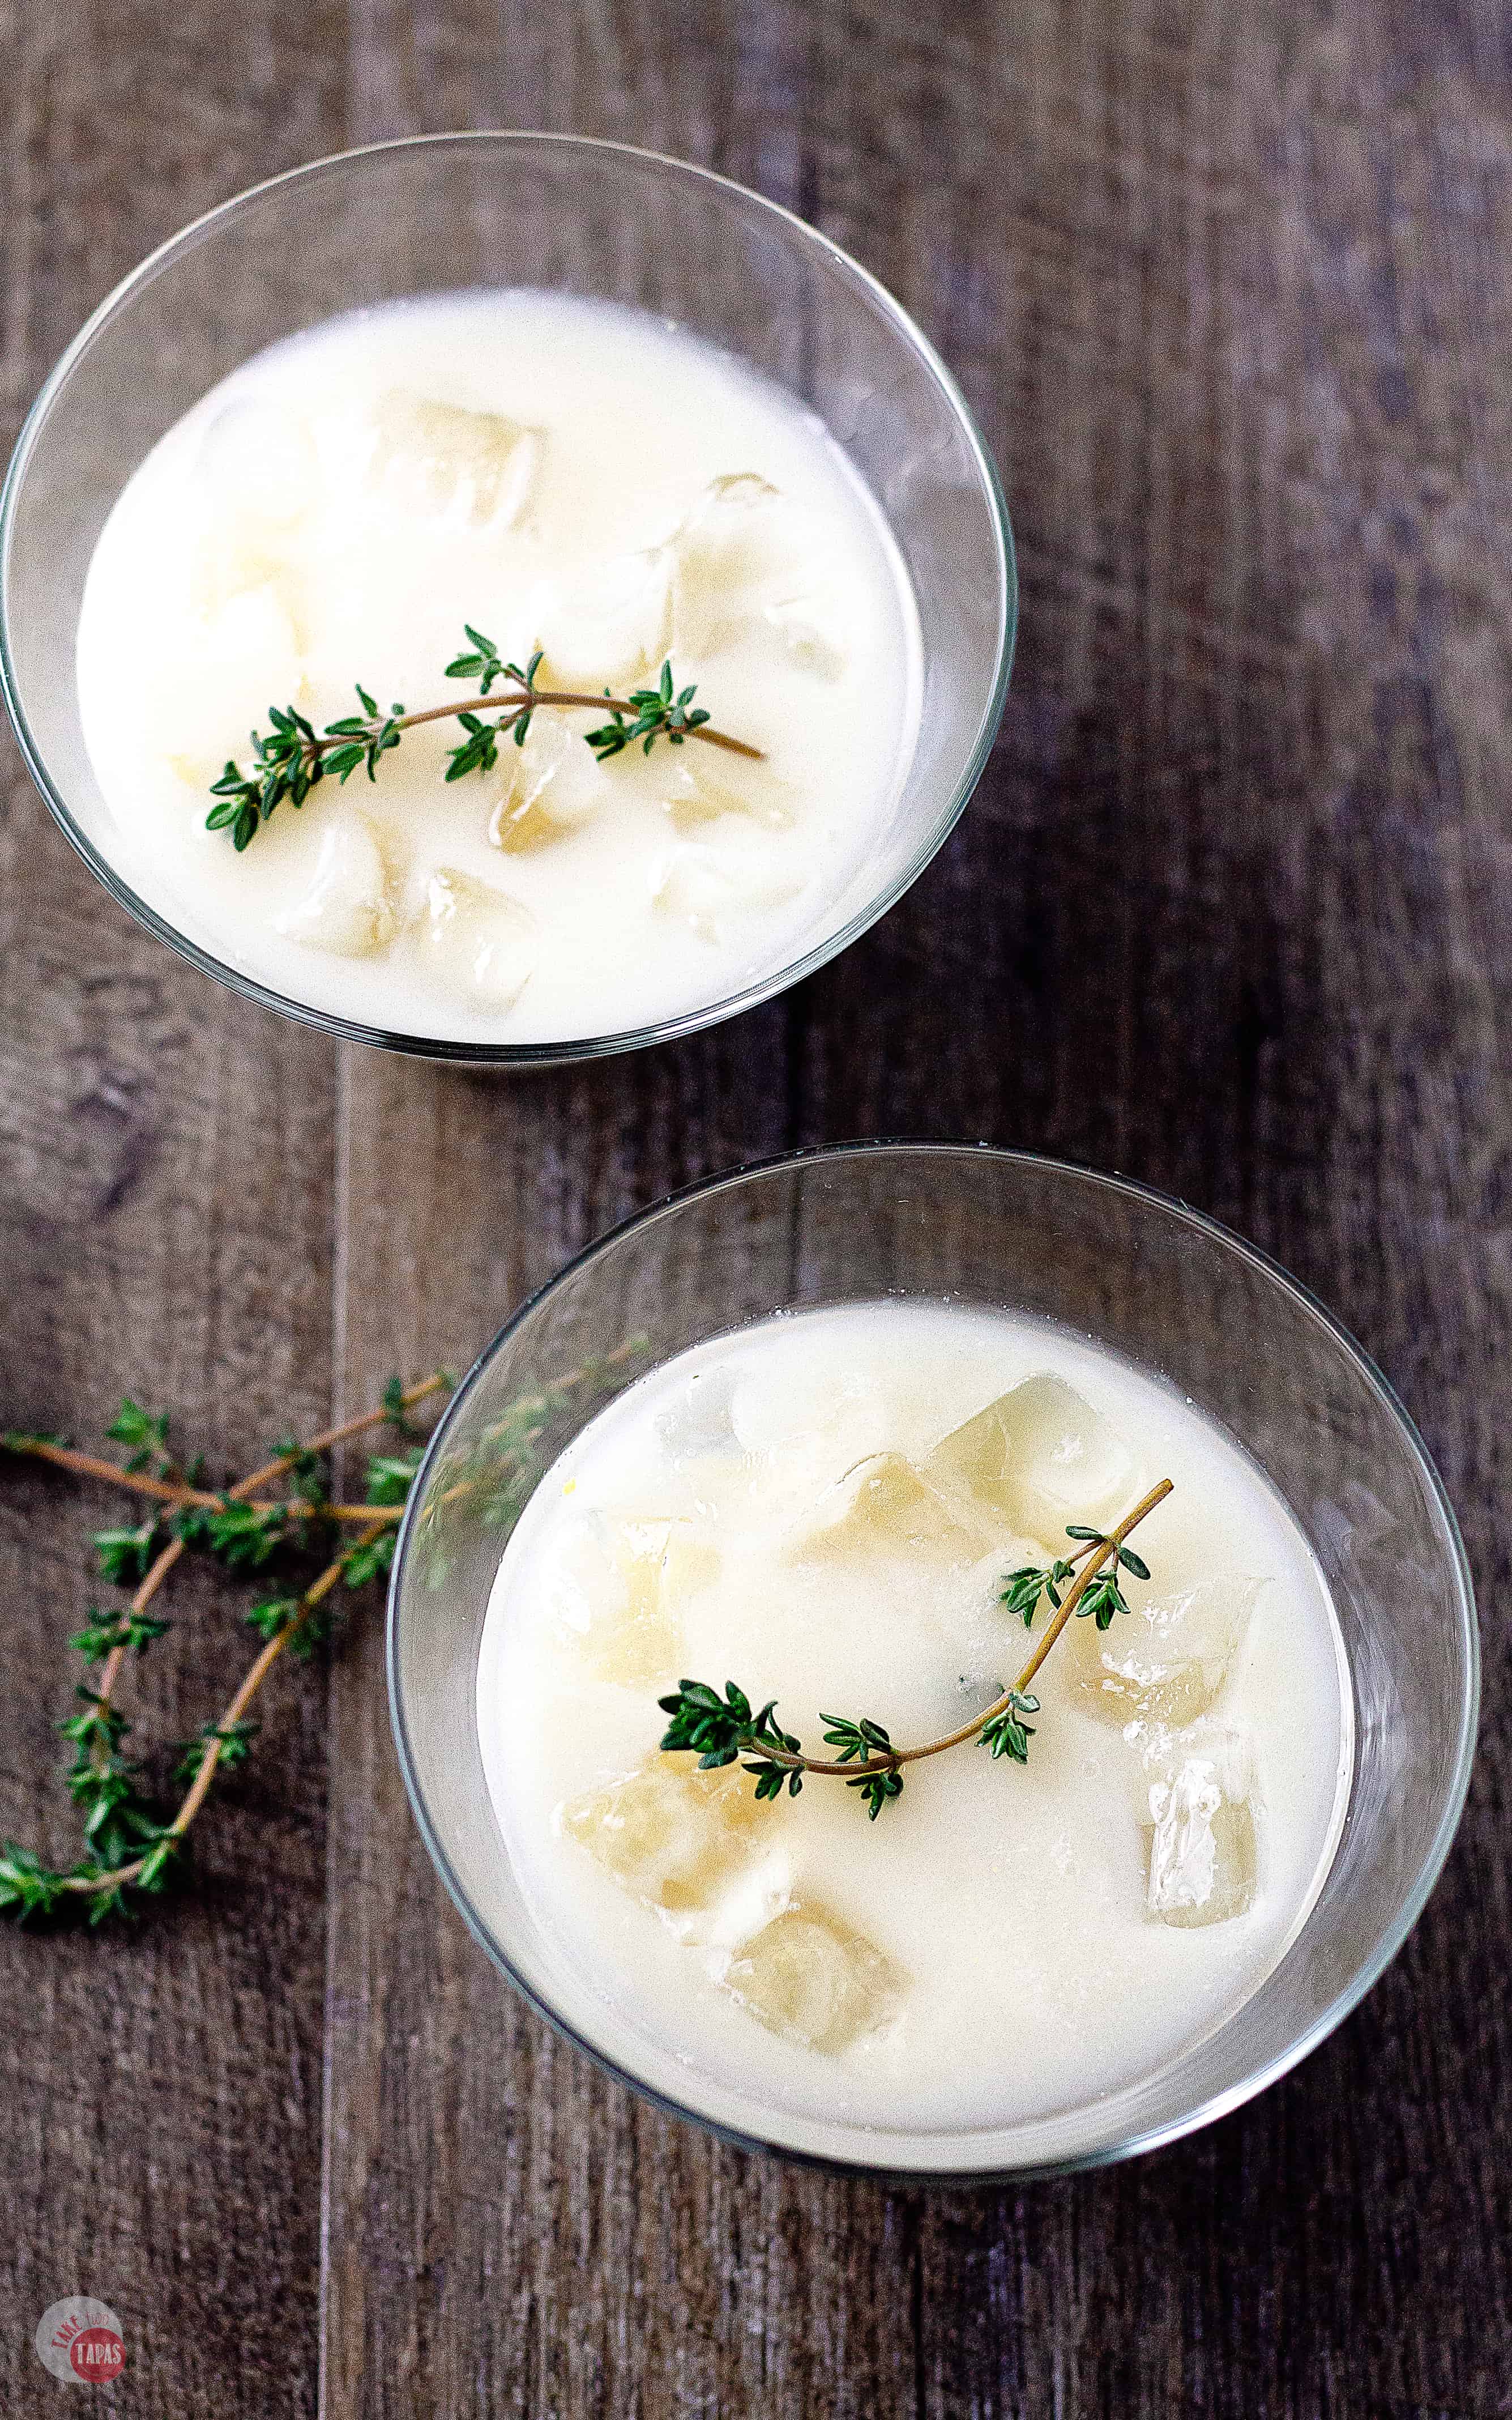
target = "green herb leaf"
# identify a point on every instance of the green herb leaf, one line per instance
(145, 1433)
(125, 1555)
(104, 1633)
(1007, 1733)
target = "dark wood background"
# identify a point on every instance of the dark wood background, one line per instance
(1231, 288)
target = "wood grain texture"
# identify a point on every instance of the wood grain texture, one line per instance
(166, 1185)
(1230, 291)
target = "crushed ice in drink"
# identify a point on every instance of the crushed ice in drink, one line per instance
(433, 458)
(672, 1835)
(813, 1979)
(551, 471)
(1169, 1658)
(1201, 1833)
(476, 939)
(1005, 1942)
(346, 908)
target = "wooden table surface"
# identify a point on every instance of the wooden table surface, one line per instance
(1231, 291)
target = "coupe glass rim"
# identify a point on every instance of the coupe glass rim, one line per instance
(518, 1054)
(1410, 1907)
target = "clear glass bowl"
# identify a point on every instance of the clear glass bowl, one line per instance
(581, 217)
(1129, 1268)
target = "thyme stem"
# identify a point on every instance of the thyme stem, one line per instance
(244, 1491)
(129, 1847)
(719, 1730)
(404, 1402)
(518, 701)
(289, 760)
(168, 1491)
(1097, 1554)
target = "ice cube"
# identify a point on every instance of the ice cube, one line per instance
(734, 528)
(813, 1979)
(228, 564)
(705, 884)
(693, 795)
(1202, 1827)
(881, 1506)
(608, 624)
(551, 784)
(1040, 1456)
(734, 553)
(1168, 1660)
(250, 602)
(796, 1407)
(434, 458)
(218, 677)
(672, 1835)
(808, 629)
(699, 1423)
(478, 940)
(632, 1578)
(258, 461)
(259, 465)
(346, 909)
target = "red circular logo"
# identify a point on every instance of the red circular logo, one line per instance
(95, 2354)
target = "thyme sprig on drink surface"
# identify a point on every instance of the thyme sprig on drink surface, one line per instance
(724, 1729)
(1103, 1598)
(290, 757)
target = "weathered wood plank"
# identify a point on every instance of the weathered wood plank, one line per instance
(167, 1178)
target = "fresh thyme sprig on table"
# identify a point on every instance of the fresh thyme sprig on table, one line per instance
(130, 1846)
(289, 759)
(722, 1730)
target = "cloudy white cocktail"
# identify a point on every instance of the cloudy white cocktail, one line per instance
(582, 483)
(828, 1506)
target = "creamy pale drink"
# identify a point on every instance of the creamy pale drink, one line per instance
(870, 1515)
(574, 490)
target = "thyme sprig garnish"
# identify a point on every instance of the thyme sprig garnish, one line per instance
(1022, 1589)
(724, 1729)
(291, 756)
